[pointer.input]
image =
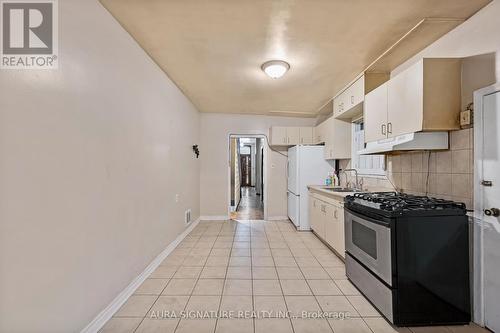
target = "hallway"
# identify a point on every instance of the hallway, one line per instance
(253, 277)
(250, 207)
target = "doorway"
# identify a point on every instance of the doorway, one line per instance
(247, 177)
(487, 205)
(246, 170)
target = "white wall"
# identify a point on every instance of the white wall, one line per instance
(91, 157)
(214, 145)
(478, 35)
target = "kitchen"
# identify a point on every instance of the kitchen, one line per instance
(376, 128)
(370, 230)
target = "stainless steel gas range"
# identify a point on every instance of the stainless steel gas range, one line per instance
(409, 255)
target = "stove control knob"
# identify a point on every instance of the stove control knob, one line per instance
(492, 212)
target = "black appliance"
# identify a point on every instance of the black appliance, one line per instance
(409, 255)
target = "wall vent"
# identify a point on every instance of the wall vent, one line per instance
(187, 216)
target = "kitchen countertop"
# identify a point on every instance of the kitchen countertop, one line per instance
(321, 189)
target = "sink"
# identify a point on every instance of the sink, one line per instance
(342, 189)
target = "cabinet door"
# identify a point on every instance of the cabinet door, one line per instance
(319, 133)
(355, 94)
(337, 139)
(330, 229)
(293, 135)
(278, 136)
(337, 109)
(340, 239)
(375, 114)
(312, 211)
(306, 135)
(320, 229)
(340, 139)
(341, 103)
(326, 218)
(405, 101)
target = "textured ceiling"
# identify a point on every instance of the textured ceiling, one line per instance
(213, 49)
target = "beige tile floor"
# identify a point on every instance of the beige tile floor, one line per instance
(255, 277)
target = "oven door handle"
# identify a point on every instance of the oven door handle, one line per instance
(385, 223)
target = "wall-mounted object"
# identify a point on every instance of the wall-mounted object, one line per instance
(196, 150)
(467, 116)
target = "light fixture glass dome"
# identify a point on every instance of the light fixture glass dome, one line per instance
(275, 68)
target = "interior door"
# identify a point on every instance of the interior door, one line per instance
(491, 201)
(246, 170)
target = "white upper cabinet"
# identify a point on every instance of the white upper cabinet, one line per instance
(405, 102)
(349, 103)
(337, 139)
(290, 136)
(306, 135)
(375, 115)
(320, 133)
(425, 97)
(355, 93)
(278, 136)
(293, 135)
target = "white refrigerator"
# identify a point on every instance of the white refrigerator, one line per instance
(306, 166)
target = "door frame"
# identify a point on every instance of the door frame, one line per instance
(264, 169)
(477, 225)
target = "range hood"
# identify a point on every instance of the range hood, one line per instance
(406, 142)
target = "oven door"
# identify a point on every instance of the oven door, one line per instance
(369, 241)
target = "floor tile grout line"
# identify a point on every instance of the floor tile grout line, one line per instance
(160, 294)
(224, 283)
(321, 264)
(252, 279)
(257, 231)
(315, 298)
(284, 299)
(191, 294)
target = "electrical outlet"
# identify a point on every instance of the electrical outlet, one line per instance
(466, 118)
(176, 198)
(187, 216)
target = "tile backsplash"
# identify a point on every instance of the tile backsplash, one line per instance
(441, 174)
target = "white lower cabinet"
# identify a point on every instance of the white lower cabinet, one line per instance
(317, 212)
(334, 230)
(326, 216)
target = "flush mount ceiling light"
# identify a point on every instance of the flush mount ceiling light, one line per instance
(275, 68)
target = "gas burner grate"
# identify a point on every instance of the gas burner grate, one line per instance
(402, 202)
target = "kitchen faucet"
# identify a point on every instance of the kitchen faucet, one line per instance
(344, 171)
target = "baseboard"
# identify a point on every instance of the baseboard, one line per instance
(98, 322)
(277, 218)
(214, 218)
